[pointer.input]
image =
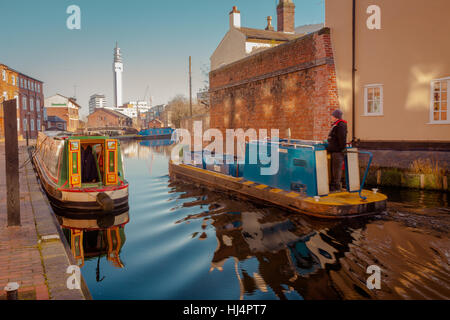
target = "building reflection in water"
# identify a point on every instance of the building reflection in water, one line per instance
(287, 252)
(94, 238)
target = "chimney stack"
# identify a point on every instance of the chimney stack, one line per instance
(269, 24)
(235, 18)
(286, 16)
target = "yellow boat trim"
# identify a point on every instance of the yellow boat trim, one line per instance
(346, 198)
(248, 183)
(276, 190)
(293, 195)
(223, 176)
(261, 186)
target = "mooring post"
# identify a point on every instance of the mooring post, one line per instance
(12, 163)
(12, 291)
(26, 134)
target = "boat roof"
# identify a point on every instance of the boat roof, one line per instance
(64, 135)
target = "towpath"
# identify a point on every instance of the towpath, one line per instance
(34, 255)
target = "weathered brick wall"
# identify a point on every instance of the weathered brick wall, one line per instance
(188, 124)
(289, 86)
(101, 118)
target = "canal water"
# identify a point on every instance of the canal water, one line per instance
(185, 242)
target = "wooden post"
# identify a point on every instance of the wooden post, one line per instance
(190, 84)
(12, 163)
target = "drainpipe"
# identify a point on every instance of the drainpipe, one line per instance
(353, 68)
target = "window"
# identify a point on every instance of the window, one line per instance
(440, 101)
(373, 100)
(38, 125)
(13, 80)
(5, 95)
(38, 105)
(32, 125)
(24, 103)
(4, 75)
(31, 104)
(25, 127)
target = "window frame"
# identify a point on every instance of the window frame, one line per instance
(432, 121)
(366, 101)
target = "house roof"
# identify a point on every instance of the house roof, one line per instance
(112, 112)
(22, 74)
(70, 99)
(308, 28)
(260, 34)
(55, 119)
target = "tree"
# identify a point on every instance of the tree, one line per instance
(179, 109)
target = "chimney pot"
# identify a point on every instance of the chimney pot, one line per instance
(269, 24)
(235, 18)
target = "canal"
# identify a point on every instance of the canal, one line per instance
(185, 242)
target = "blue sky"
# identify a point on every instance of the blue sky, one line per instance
(156, 38)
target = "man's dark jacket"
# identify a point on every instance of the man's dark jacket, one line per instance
(337, 138)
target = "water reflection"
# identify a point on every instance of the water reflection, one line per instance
(187, 242)
(94, 238)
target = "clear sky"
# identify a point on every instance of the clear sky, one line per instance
(156, 38)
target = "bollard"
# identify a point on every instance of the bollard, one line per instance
(26, 132)
(12, 290)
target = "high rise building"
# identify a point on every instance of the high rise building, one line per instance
(118, 69)
(96, 101)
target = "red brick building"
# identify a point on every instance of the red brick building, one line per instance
(155, 123)
(31, 102)
(30, 99)
(103, 118)
(290, 86)
(64, 108)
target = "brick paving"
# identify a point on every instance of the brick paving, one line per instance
(38, 266)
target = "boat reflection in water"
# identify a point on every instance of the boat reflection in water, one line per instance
(92, 238)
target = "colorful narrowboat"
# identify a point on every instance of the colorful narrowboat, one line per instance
(82, 175)
(156, 133)
(300, 182)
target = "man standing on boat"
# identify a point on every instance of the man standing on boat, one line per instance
(337, 141)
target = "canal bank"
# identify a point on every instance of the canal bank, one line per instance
(35, 255)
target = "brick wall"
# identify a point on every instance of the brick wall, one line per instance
(101, 118)
(63, 113)
(290, 86)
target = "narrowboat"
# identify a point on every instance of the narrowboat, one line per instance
(300, 183)
(82, 175)
(156, 133)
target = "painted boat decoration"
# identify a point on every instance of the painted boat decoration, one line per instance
(89, 238)
(301, 183)
(156, 133)
(82, 175)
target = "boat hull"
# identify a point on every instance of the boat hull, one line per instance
(334, 206)
(81, 202)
